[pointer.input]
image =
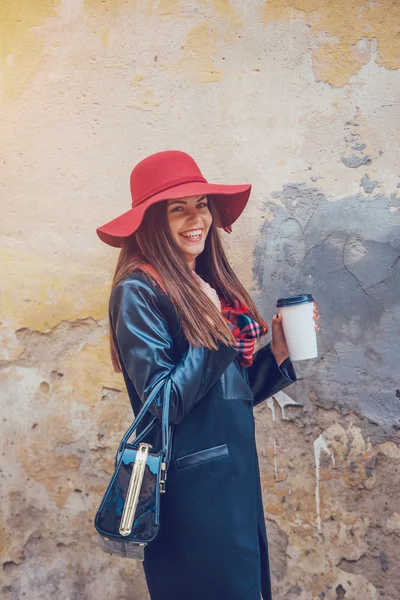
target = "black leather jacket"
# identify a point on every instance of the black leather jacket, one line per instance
(212, 541)
(152, 347)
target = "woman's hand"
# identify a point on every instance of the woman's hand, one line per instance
(279, 346)
(316, 317)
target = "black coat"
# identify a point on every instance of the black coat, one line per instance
(212, 543)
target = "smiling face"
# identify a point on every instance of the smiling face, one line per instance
(189, 221)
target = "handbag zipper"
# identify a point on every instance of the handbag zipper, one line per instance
(132, 495)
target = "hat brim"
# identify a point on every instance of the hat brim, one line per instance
(230, 201)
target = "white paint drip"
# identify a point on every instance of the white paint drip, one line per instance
(284, 400)
(320, 446)
(271, 406)
(275, 461)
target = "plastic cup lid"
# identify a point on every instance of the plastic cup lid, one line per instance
(293, 300)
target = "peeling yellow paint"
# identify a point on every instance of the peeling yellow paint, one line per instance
(90, 370)
(104, 36)
(224, 10)
(56, 472)
(221, 9)
(137, 78)
(287, 10)
(39, 295)
(167, 8)
(120, 66)
(346, 22)
(383, 19)
(21, 46)
(199, 49)
(106, 464)
(163, 8)
(327, 58)
(144, 96)
(108, 6)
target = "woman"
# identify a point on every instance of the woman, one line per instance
(179, 313)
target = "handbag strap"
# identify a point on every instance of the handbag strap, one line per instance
(165, 427)
(145, 431)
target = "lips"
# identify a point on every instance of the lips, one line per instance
(192, 235)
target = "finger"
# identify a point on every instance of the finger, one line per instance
(277, 319)
(317, 328)
(316, 317)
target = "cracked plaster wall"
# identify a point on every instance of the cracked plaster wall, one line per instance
(300, 98)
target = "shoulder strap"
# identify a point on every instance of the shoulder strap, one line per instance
(166, 429)
(142, 412)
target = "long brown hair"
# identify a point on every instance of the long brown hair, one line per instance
(152, 249)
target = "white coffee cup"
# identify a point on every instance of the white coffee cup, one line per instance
(299, 325)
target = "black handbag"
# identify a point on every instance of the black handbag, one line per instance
(128, 517)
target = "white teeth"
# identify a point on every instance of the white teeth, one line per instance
(192, 234)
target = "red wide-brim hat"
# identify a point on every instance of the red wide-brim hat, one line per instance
(172, 175)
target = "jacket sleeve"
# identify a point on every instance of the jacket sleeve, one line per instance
(266, 378)
(148, 355)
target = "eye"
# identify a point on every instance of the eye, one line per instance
(202, 205)
(176, 209)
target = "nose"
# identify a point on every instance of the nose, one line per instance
(192, 213)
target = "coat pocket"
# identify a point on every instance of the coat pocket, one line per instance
(202, 456)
